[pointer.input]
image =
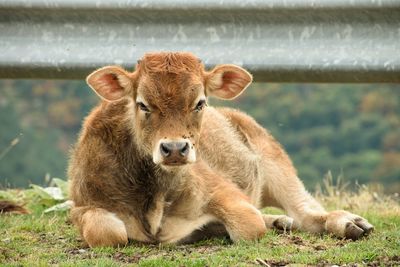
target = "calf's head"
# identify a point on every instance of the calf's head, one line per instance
(167, 96)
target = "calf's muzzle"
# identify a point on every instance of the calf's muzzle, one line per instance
(174, 153)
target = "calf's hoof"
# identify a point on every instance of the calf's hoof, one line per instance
(357, 228)
(283, 223)
(345, 224)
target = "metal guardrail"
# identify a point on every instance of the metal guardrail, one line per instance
(277, 40)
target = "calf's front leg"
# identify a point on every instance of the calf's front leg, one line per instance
(99, 227)
(241, 219)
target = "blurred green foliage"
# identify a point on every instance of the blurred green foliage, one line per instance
(350, 129)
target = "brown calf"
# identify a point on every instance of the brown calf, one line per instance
(154, 163)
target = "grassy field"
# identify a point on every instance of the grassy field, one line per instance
(49, 238)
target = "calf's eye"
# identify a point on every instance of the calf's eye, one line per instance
(200, 105)
(143, 107)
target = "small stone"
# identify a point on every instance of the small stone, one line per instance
(6, 240)
(81, 251)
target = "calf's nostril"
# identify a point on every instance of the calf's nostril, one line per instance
(185, 150)
(165, 150)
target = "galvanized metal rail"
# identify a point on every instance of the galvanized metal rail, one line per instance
(277, 40)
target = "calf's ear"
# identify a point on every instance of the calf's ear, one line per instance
(227, 81)
(110, 83)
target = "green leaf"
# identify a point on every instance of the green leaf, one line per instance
(60, 207)
(62, 184)
(40, 192)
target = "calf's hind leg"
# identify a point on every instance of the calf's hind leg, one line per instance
(282, 188)
(99, 227)
(310, 216)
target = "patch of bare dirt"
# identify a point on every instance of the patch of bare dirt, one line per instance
(124, 258)
(306, 244)
(207, 249)
(81, 253)
(320, 247)
(385, 261)
(5, 252)
(382, 261)
(296, 240)
(271, 263)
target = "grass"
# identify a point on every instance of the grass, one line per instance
(41, 239)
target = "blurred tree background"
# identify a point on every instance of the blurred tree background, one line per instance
(345, 128)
